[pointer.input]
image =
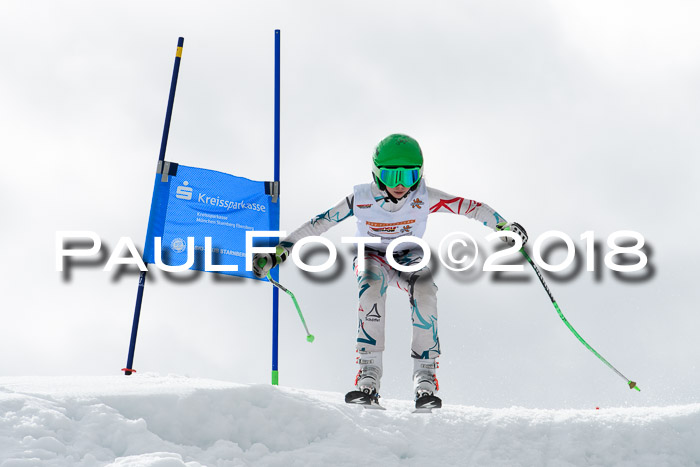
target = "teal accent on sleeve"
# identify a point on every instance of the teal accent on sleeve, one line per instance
(330, 218)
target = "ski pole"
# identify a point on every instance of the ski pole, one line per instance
(630, 383)
(309, 337)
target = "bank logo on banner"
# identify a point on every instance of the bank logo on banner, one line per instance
(184, 191)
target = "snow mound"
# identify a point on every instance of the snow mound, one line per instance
(172, 421)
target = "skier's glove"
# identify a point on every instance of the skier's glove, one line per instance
(263, 262)
(515, 228)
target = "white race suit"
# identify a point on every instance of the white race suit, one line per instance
(379, 216)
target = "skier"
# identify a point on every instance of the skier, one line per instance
(397, 203)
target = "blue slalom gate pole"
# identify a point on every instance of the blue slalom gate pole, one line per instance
(275, 271)
(161, 156)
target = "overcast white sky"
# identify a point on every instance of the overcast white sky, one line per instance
(563, 115)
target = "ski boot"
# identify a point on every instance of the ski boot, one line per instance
(425, 385)
(367, 381)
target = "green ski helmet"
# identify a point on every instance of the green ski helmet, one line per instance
(398, 160)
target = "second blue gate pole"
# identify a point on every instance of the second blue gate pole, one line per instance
(275, 271)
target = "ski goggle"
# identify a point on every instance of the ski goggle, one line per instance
(393, 177)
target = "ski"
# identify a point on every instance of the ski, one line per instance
(427, 403)
(365, 400)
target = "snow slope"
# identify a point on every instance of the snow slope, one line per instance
(150, 420)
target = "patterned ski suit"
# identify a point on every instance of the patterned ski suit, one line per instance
(378, 216)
